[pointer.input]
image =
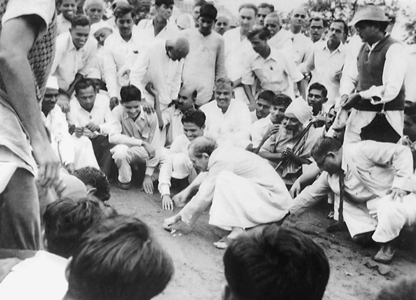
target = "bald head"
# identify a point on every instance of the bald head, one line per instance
(178, 48)
(297, 19)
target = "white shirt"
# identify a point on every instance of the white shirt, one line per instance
(302, 46)
(231, 128)
(326, 69)
(173, 117)
(179, 145)
(60, 138)
(394, 73)
(275, 72)
(41, 277)
(283, 41)
(204, 63)
(100, 115)
(118, 53)
(236, 51)
(62, 24)
(145, 31)
(258, 129)
(155, 66)
(69, 61)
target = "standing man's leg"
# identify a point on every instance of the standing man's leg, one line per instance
(19, 213)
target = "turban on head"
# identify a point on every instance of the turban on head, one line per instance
(301, 110)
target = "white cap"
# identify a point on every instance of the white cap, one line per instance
(52, 83)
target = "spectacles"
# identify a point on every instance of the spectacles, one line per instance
(298, 15)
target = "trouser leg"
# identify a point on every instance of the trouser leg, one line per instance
(102, 148)
(19, 213)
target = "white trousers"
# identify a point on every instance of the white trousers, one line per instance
(382, 215)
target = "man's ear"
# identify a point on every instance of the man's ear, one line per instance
(233, 94)
(226, 294)
(91, 192)
(67, 272)
(205, 155)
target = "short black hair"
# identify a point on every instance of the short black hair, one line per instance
(208, 10)
(65, 221)
(266, 5)
(97, 179)
(281, 100)
(267, 95)
(79, 20)
(83, 84)
(123, 9)
(194, 116)
(276, 263)
(319, 87)
(166, 2)
(130, 93)
(262, 32)
(119, 259)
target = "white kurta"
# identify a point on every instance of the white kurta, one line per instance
(204, 63)
(371, 169)
(236, 52)
(244, 189)
(231, 128)
(155, 66)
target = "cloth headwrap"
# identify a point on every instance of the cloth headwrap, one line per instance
(52, 83)
(100, 25)
(301, 110)
(184, 21)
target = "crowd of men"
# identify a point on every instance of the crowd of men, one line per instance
(256, 122)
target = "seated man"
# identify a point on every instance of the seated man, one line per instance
(228, 120)
(118, 259)
(289, 148)
(243, 188)
(375, 180)
(160, 67)
(273, 262)
(263, 129)
(262, 106)
(90, 121)
(177, 165)
(42, 276)
(136, 136)
(57, 125)
(170, 120)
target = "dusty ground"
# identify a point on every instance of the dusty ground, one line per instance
(199, 269)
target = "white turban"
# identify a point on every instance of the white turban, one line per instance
(301, 110)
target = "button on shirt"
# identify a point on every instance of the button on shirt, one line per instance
(69, 61)
(275, 72)
(100, 114)
(326, 69)
(118, 53)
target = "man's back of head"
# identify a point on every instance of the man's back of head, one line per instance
(118, 259)
(272, 262)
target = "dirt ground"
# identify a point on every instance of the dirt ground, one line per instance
(199, 267)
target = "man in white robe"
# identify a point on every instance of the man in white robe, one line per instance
(244, 190)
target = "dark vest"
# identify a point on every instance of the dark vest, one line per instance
(370, 72)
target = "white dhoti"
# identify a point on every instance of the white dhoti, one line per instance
(84, 153)
(382, 215)
(239, 202)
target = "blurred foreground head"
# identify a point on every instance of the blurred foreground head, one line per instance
(119, 259)
(271, 262)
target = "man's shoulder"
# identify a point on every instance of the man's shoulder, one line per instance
(262, 122)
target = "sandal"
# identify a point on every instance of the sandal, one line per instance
(223, 243)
